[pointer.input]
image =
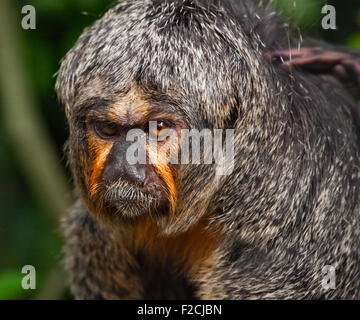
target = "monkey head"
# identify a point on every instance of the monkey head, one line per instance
(177, 66)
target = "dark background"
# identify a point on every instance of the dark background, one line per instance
(35, 185)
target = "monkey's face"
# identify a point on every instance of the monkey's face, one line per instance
(151, 61)
(125, 158)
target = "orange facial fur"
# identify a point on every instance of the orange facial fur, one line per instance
(164, 171)
(167, 176)
(193, 249)
(99, 151)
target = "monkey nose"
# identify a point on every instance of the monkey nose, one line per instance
(118, 167)
(133, 174)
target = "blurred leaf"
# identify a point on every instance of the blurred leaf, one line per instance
(50, 7)
(301, 12)
(91, 4)
(42, 64)
(10, 285)
(56, 7)
(354, 40)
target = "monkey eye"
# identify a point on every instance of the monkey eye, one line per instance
(159, 130)
(105, 129)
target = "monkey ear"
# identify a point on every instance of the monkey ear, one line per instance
(343, 65)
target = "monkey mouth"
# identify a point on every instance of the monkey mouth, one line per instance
(131, 200)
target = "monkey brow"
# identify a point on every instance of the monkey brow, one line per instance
(91, 104)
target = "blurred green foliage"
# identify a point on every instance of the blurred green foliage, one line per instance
(9, 285)
(353, 39)
(28, 235)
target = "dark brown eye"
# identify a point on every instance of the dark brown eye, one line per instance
(160, 130)
(106, 129)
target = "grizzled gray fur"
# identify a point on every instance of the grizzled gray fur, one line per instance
(290, 207)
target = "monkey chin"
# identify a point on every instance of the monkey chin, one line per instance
(125, 202)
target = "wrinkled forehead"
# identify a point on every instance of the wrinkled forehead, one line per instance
(127, 107)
